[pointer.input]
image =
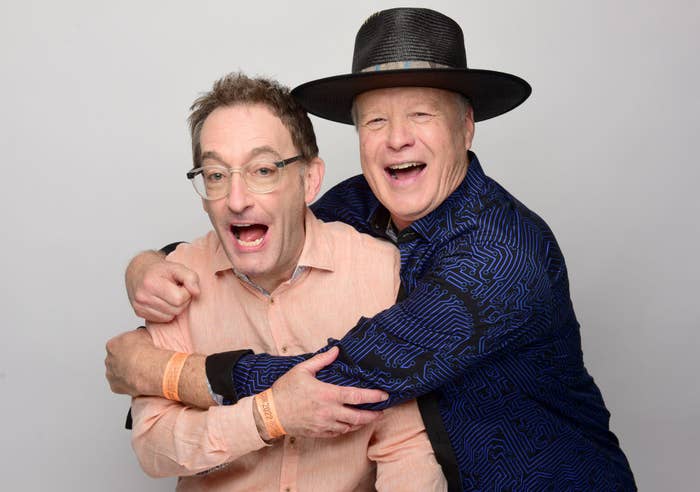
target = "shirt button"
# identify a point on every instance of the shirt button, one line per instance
(272, 300)
(288, 489)
(292, 440)
(284, 349)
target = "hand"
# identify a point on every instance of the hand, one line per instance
(310, 408)
(134, 366)
(158, 289)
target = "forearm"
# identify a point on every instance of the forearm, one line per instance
(171, 439)
(192, 386)
(135, 366)
(193, 389)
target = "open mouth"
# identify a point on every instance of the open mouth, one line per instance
(405, 170)
(249, 235)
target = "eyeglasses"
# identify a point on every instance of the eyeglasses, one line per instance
(214, 182)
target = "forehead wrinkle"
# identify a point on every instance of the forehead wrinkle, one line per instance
(412, 96)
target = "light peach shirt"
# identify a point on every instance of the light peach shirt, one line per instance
(348, 275)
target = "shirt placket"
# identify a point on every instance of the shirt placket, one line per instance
(281, 335)
(290, 465)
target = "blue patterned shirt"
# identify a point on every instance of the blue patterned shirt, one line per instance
(486, 336)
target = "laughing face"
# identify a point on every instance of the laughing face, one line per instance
(262, 234)
(413, 148)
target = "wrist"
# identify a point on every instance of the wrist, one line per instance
(153, 363)
(260, 425)
(267, 412)
(136, 268)
(171, 376)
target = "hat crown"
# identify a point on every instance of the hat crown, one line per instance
(409, 35)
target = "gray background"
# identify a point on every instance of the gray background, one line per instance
(94, 148)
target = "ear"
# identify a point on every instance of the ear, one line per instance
(313, 177)
(468, 127)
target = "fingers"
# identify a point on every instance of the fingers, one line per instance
(161, 313)
(174, 295)
(158, 289)
(188, 279)
(336, 430)
(166, 287)
(165, 294)
(319, 361)
(358, 396)
(356, 418)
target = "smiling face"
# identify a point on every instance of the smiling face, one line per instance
(413, 147)
(262, 234)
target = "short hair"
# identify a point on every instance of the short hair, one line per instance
(237, 88)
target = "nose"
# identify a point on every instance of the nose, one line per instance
(400, 134)
(239, 197)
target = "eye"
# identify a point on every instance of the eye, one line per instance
(213, 175)
(421, 116)
(263, 170)
(375, 123)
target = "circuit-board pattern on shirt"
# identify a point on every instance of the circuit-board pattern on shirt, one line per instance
(487, 323)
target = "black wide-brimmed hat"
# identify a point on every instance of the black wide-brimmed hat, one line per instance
(411, 47)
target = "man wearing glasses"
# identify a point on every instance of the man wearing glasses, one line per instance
(485, 335)
(256, 169)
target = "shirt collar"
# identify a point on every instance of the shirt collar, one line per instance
(316, 252)
(435, 223)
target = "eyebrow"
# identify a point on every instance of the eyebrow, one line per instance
(255, 152)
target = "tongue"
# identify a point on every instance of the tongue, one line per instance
(251, 233)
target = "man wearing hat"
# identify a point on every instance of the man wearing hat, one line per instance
(483, 333)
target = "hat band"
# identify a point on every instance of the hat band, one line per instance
(403, 65)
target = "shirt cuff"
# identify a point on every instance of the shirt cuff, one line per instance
(219, 368)
(246, 438)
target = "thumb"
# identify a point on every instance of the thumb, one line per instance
(319, 361)
(187, 278)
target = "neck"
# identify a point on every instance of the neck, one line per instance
(400, 224)
(269, 282)
(282, 272)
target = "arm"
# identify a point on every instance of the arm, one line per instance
(173, 439)
(404, 456)
(135, 366)
(475, 302)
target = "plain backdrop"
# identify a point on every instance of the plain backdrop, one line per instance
(94, 98)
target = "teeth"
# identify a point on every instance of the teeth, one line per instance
(404, 165)
(250, 244)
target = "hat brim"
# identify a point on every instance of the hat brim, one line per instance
(491, 93)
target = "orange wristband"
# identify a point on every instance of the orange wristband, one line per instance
(171, 378)
(266, 407)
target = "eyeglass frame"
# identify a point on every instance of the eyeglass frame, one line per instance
(192, 173)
